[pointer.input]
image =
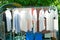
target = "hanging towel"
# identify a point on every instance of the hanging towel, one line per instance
(29, 19)
(55, 24)
(16, 21)
(52, 17)
(41, 20)
(23, 23)
(35, 20)
(26, 19)
(8, 19)
(56, 20)
(48, 20)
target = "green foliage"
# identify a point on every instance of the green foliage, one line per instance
(31, 2)
(34, 2)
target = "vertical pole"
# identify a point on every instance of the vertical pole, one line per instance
(38, 9)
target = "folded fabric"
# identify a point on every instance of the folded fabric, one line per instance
(29, 36)
(38, 36)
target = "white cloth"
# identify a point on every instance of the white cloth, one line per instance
(41, 20)
(16, 21)
(8, 19)
(52, 24)
(25, 19)
(50, 20)
(29, 18)
(55, 14)
(35, 20)
(56, 21)
(23, 23)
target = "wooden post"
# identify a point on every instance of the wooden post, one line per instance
(38, 9)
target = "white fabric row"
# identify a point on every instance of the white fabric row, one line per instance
(22, 19)
(41, 20)
(51, 23)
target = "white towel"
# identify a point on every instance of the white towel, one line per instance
(35, 20)
(25, 14)
(8, 19)
(26, 19)
(16, 21)
(50, 20)
(23, 23)
(56, 20)
(29, 19)
(41, 20)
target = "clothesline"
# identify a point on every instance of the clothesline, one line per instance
(25, 17)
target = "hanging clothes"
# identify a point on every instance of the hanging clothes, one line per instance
(41, 20)
(32, 19)
(56, 20)
(23, 23)
(48, 19)
(52, 17)
(29, 19)
(35, 20)
(26, 19)
(8, 19)
(16, 21)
